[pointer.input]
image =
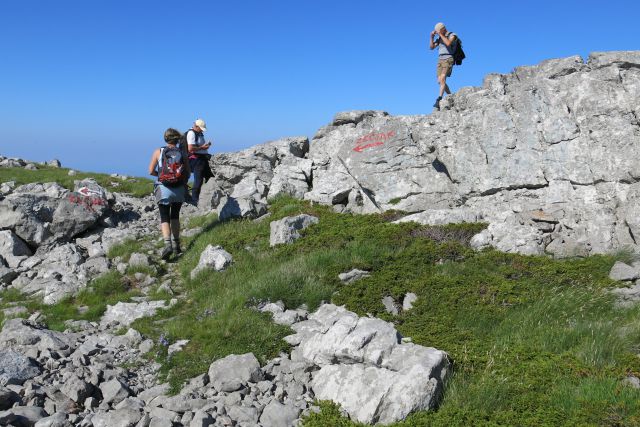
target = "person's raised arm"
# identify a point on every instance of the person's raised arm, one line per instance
(432, 42)
(447, 40)
(154, 163)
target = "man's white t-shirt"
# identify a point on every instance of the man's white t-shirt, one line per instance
(192, 140)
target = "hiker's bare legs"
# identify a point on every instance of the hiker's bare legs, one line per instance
(442, 79)
(166, 230)
(175, 229)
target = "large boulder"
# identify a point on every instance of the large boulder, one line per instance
(80, 210)
(230, 168)
(28, 211)
(41, 212)
(361, 364)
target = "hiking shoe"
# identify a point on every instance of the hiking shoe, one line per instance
(437, 103)
(178, 249)
(166, 252)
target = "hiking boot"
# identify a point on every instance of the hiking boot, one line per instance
(166, 252)
(437, 103)
(177, 249)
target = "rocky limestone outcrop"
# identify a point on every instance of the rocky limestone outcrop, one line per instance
(547, 155)
(53, 241)
(244, 181)
(75, 377)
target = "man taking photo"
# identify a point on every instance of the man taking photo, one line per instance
(446, 42)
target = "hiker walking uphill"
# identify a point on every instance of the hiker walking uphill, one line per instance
(198, 157)
(449, 52)
(170, 165)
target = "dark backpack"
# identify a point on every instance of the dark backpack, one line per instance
(458, 54)
(172, 167)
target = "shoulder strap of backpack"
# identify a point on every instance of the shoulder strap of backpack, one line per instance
(160, 159)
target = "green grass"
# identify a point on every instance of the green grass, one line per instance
(138, 187)
(201, 221)
(107, 289)
(103, 290)
(534, 341)
(126, 248)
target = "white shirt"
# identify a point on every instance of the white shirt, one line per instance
(191, 140)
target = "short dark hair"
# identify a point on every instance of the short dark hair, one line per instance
(172, 136)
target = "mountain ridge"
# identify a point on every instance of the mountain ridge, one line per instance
(547, 153)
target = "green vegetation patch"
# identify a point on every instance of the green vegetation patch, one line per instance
(534, 341)
(126, 248)
(90, 304)
(137, 187)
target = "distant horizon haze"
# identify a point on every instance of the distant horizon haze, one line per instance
(95, 85)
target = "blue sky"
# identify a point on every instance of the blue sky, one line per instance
(95, 83)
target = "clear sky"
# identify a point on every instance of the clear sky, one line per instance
(95, 83)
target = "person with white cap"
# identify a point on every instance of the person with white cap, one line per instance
(198, 157)
(446, 42)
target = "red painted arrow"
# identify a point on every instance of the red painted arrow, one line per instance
(360, 148)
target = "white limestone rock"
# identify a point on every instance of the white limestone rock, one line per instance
(212, 258)
(125, 313)
(623, 272)
(232, 372)
(287, 229)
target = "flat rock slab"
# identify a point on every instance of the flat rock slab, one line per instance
(126, 313)
(20, 333)
(232, 372)
(117, 418)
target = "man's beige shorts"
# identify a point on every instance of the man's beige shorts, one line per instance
(444, 66)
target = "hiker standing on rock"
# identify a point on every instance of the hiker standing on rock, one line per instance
(446, 42)
(171, 167)
(198, 157)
